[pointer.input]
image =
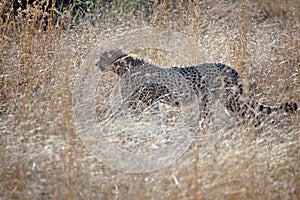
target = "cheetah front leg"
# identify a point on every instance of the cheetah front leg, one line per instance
(204, 111)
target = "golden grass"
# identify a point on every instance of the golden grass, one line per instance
(42, 157)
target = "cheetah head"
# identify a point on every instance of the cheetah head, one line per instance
(109, 57)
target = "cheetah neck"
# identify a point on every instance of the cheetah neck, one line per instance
(123, 65)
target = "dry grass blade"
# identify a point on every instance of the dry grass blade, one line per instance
(42, 157)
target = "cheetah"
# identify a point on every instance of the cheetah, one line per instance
(145, 83)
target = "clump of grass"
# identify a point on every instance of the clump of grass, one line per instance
(42, 157)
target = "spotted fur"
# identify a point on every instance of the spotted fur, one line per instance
(207, 83)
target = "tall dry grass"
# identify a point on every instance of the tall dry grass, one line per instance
(42, 157)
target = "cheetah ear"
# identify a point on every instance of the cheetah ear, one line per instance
(116, 54)
(107, 58)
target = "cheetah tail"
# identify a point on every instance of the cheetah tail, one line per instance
(290, 107)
